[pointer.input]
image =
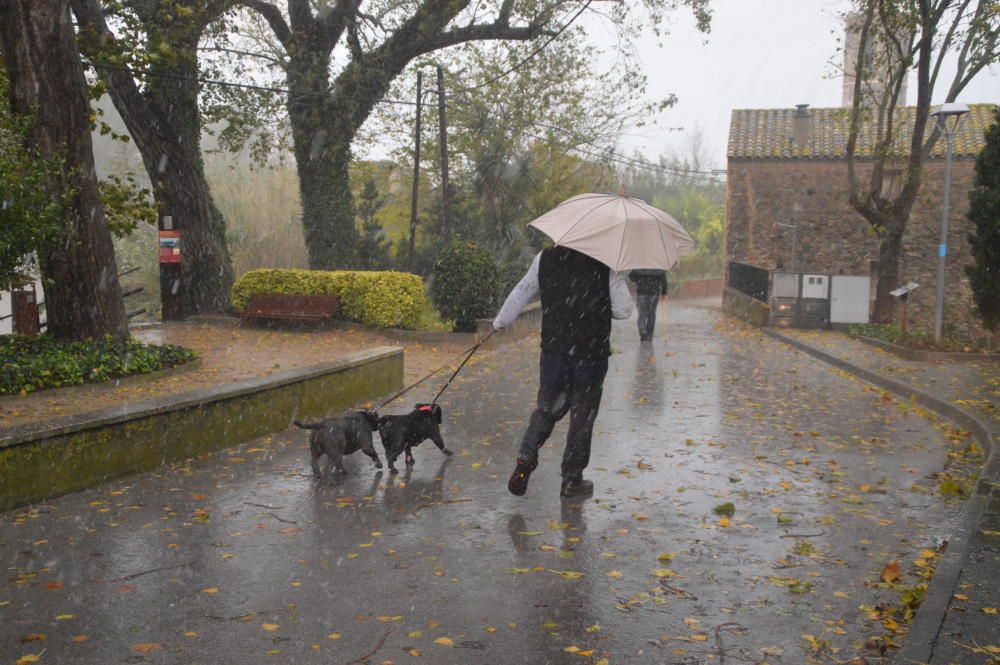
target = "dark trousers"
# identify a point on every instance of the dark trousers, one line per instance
(647, 315)
(566, 384)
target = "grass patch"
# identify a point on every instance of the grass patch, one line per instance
(28, 364)
(917, 340)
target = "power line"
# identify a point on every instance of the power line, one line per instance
(531, 55)
(607, 155)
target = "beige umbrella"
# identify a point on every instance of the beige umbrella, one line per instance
(619, 231)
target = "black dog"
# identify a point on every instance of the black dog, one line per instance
(336, 437)
(402, 433)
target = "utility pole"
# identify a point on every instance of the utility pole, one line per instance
(443, 129)
(411, 257)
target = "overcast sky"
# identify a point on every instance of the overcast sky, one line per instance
(759, 54)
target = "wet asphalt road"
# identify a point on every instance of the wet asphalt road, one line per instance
(243, 558)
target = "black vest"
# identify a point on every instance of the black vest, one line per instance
(576, 304)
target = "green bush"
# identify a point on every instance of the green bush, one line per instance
(28, 364)
(466, 284)
(378, 299)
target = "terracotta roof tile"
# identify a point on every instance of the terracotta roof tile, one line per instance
(769, 133)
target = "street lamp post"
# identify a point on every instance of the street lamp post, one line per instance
(943, 116)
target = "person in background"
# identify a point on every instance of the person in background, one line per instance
(580, 296)
(650, 285)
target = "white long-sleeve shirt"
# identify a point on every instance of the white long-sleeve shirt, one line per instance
(528, 288)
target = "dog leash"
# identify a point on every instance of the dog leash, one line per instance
(467, 353)
(452, 377)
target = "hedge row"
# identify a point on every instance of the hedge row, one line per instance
(386, 299)
(28, 364)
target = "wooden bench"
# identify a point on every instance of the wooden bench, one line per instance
(291, 307)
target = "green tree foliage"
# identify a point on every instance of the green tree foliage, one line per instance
(126, 204)
(984, 213)
(373, 248)
(466, 284)
(29, 216)
(340, 60)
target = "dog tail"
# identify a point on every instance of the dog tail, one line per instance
(307, 425)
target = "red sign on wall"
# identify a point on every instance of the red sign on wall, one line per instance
(170, 246)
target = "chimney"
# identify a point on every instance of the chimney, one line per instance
(803, 125)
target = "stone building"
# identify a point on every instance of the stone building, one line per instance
(787, 166)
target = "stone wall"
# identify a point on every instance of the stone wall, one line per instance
(833, 238)
(740, 305)
(38, 462)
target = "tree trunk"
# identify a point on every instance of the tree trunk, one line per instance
(328, 209)
(322, 145)
(165, 123)
(83, 298)
(172, 155)
(889, 249)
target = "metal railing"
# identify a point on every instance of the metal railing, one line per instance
(748, 279)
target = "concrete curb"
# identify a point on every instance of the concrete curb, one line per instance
(41, 461)
(922, 638)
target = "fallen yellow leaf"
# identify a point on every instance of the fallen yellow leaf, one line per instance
(445, 641)
(269, 626)
(211, 589)
(567, 574)
(891, 571)
(146, 647)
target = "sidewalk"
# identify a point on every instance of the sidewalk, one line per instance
(228, 352)
(242, 558)
(965, 628)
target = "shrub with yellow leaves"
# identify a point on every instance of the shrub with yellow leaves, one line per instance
(380, 299)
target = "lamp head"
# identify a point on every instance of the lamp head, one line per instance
(945, 111)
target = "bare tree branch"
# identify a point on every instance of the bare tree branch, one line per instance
(274, 18)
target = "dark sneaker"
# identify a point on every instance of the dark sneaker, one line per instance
(577, 488)
(518, 483)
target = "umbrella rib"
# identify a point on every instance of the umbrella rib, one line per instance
(663, 241)
(624, 235)
(592, 210)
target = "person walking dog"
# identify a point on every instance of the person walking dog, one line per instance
(580, 296)
(649, 286)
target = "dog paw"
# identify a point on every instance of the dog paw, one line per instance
(448, 452)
